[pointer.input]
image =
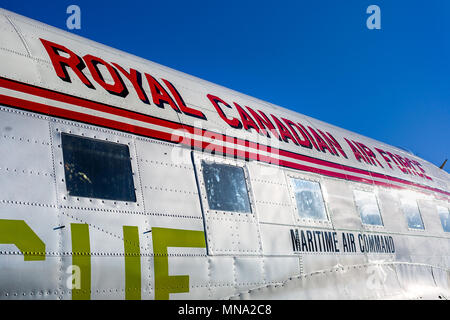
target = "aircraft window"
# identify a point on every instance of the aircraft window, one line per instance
(367, 205)
(226, 188)
(412, 213)
(97, 169)
(309, 199)
(444, 214)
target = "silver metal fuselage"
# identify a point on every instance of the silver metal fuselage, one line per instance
(168, 242)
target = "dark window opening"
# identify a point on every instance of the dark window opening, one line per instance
(97, 169)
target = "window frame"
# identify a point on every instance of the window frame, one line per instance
(308, 221)
(439, 216)
(198, 160)
(86, 131)
(377, 199)
(406, 218)
(82, 139)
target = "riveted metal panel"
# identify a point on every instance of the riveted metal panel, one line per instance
(280, 269)
(23, 126)
(276, 239)
(19, 67)
(21, 154)
(106, 228)
(192, 264)
(414, 197)
(427, 249)
(274, 211)
(249, 273)
(313, 262)
(36, 280)
(341, 205)
(222, 275)
(34, 276)
(107, 249)
(14, 184)
(108, 278)
(403, 252)
(370, 281)
(232, 236)
(221, 292)
(175, 221)
(441, 277)
(325, 154)
(229, 232)
(168, 179)
(10, 39)
(26, 159)
(380, 257)
(352, 259)
(272, 198)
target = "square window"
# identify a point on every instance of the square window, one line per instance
(97, 169)
(226, 187)
(367, 205)
(412, 213)
(309, 199)
(444, 215)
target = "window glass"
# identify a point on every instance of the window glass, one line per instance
(412, 213)
(308, 196)
(97, 169)
(226, 188)
(367, 205)
(444, 214)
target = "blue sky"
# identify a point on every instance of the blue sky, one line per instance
(316, 57)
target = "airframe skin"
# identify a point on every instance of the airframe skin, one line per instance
(168, 241)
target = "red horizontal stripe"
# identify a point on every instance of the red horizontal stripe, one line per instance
(87, 104)
(63, 113)
(59, 112)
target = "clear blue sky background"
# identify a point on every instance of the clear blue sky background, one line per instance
(313, 56)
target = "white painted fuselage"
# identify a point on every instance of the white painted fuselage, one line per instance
(124, 179)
